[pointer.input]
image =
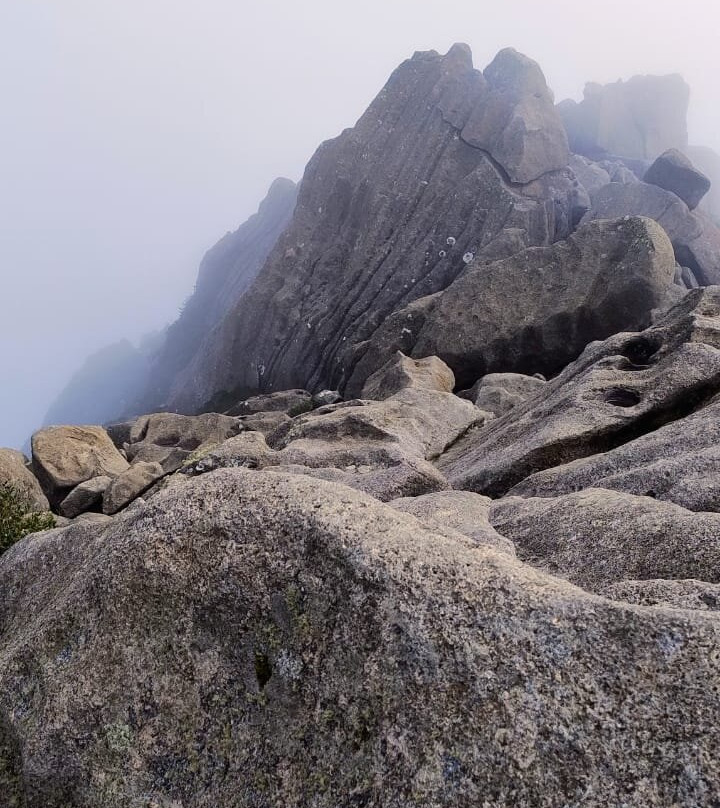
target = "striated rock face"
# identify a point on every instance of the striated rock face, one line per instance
(640, 118)
(389, 212)
(226, 272)
(538, 309)
(188, 643)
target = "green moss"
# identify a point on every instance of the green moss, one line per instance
(17, 518)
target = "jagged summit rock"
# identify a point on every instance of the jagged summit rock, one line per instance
(515, 120)
(391, 211)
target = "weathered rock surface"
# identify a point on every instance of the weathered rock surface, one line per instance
(387, 213)
(695, 238)
(291, 402)
(641, 117)
(673, 594)
(674, 172)
(14, 471)
(463, 511)
(65, 456)
(401, 372)
(617, 391)
(597, 537)
(84, 496)
(180, 431)
(379, 447)
(498, 393)
(605, 278)
(679, 462)
(130, 485)
(327, 648)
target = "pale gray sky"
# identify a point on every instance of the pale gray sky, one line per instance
(136, 132)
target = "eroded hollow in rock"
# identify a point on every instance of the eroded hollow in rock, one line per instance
(263, 669)
(639, 353)
(620, 397)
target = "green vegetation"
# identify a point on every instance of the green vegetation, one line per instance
(17, 518)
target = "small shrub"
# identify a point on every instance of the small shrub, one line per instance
(17, 519)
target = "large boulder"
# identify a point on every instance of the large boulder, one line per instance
(15, 472)
(84, 497)
(674, 172)
(315, 647)
(695, 237)
(516, 121)
(597, 537)
(500, 392)
(389, 212)
(401, 372)
(65, 456)
(538, 309)
(617, 391)
(640, 118)
(129, 485)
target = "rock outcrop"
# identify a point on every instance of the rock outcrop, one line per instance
(607, 277)
(389, 212)
(598, 537)
(617, 391)
(640, 118)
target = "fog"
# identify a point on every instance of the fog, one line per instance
(135, 133)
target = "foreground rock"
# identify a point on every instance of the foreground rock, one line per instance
(674, 172)
(328, 649)
(14, 472)
(605, 278)
(598, 537)
(616, 392)
(65, 456)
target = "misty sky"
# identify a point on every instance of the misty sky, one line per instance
(135, 133)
